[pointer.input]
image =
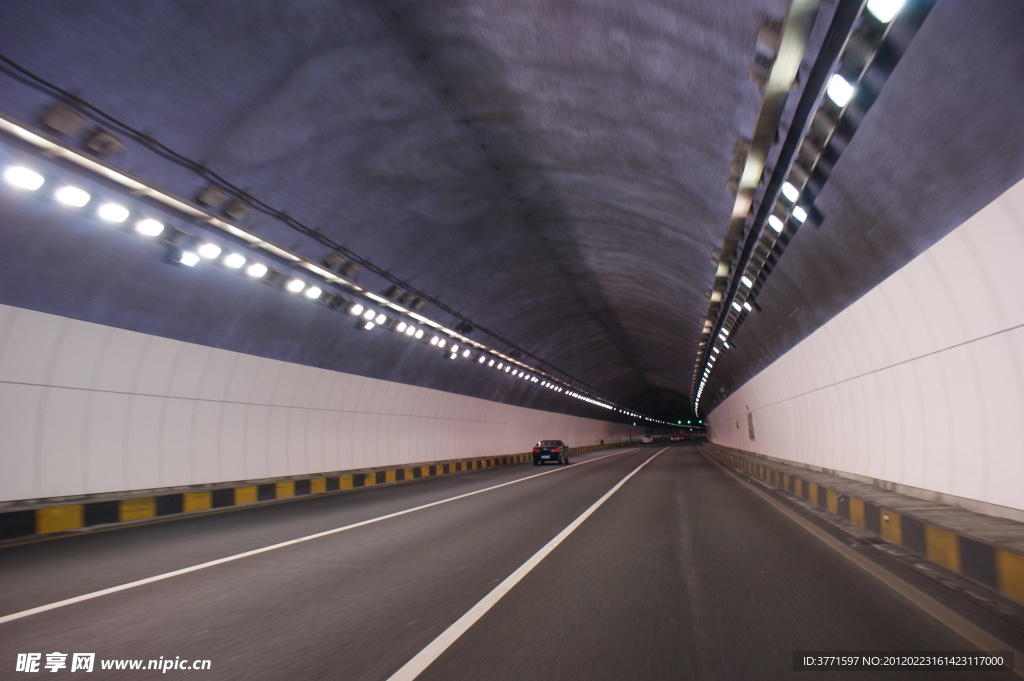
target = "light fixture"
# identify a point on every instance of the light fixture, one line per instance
(725, 344)
(23, 178)
(211, 195)
(64, 120)
(736, 306)
(149, 227)
(209, 251)
(441, 342)
(256, 270)
(234, 260)
(72, 196)
(177, 241)
(790, 192)
(714, 350)
(746, 282)
(434, 340)
(775, 223)
(885, 10)
(799, 214)
(839, 90)
(112, 212)
(500, 366)
(103, 142)
(453, 355)
(236, 209)
(746, 306)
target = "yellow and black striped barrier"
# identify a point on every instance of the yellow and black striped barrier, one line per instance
(52, 518)
(996, 567)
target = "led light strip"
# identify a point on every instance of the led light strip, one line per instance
(24, 178)
(840, 92)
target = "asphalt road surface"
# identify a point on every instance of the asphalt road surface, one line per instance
(620, 566)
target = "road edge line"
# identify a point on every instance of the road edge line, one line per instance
(958, 624)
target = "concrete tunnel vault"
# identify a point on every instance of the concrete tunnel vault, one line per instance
(552, 177)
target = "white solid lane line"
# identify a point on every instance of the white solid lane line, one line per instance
(238, 556)
(964, 628)
(423, 659)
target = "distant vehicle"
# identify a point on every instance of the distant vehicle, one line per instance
(646, 439)
(554, 451)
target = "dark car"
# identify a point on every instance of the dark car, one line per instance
(554, 451)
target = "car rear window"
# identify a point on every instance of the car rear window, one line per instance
(549, 443)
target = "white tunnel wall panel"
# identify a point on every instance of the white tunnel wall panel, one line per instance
(285, 385)
(75, 364)
(920, 383)
(216, 375)
(186, 372)
(86, 408)
(151, 374)
(143, 427)
(18, 404)
(104, 444)
(267, 379)
(316, 426)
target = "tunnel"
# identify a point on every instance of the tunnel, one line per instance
(523, 340)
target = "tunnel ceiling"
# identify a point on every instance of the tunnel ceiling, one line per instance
(553, 172)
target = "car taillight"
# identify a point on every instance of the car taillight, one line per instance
(536, 449)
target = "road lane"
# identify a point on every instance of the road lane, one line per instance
(53, 570)
(414, 667)
(685, 574)
(682, 573)
(361, 600)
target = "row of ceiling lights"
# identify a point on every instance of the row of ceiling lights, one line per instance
(222, 197)
(187, 250)
(787, 213)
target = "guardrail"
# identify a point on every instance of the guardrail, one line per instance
(32, 518)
